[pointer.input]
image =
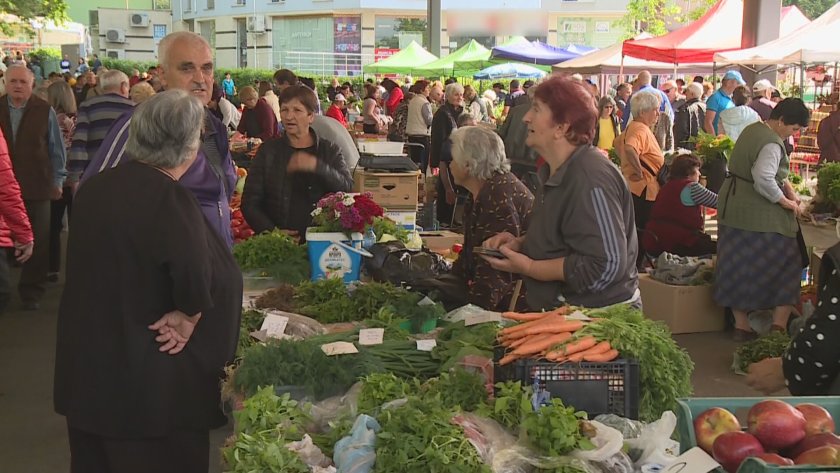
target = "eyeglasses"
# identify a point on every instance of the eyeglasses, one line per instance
(667, 91)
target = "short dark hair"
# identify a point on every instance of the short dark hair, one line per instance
(264, 86)
(418, 86)
(699, 79)
(307, 81)
(498, 85)
(683, 166)
(791, 111)
(285, 76)
(740, 96)
(301, 93)
(451, 80)
(680, 82)
(514, 84)
(528, 84)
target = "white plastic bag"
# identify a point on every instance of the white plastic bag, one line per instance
(654, 444)
(308, 452)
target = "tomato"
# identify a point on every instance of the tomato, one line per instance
(236, 222)
(237, 214)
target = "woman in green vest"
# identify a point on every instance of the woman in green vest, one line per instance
(759, 263)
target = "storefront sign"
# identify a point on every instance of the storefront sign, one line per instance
(347, 34)
(381, 53)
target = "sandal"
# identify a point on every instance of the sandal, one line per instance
(778, 328)
(741, 335)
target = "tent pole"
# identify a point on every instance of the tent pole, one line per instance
(621, 69)
(802, 81)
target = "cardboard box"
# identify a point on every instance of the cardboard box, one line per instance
(684, 309)
(394, 190)
(441, 240)
(405, 218)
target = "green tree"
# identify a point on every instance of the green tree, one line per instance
(649, 16)
(55, 10)
(413, 25)
(812, 8)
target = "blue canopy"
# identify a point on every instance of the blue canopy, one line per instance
(535, 52)
(510, 70)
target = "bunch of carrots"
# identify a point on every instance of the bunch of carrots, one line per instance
(551, 336)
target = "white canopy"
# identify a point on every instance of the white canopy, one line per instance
(608, 61)
(814, 42)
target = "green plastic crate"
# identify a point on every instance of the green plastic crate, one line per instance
(740, 406)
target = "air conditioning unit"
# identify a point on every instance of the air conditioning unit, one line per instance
(139, 20)
(115, 36)
(256, 23)
(115, 53)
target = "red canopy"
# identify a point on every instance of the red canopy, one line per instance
(717, 31)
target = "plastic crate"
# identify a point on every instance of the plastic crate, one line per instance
(687, 409)
(756, 465)
(595, 388)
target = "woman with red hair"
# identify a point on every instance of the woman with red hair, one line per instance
(581, 244)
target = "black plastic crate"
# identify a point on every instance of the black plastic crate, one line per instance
(595, 388)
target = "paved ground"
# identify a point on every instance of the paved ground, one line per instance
(33, 437)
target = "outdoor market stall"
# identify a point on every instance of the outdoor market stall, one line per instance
(446, 66)
(402, 62)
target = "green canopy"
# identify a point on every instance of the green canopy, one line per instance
(469, 68)
(445, 66)
(406, 60)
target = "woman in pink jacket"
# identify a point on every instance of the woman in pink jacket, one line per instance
(15, 230)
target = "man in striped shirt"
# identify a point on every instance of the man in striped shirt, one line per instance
(93, 120)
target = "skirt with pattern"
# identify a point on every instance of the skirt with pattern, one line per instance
(756, 270)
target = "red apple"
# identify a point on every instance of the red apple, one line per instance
(776, 424)
(813, 441)
(775, 459)
(817, 419)
(827, 455)
(731, 448)
(711, 423)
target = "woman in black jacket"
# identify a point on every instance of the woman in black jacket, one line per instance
(289, 175)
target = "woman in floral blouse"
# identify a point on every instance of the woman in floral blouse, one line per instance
(499, 203)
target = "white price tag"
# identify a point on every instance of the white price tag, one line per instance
(482, 318)
(371, 336)
(426, 345)
(693, 461)
(339, 348)
(274, 325)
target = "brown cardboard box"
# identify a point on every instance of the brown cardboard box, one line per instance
(684, 309)
(394, 190)
(441, 240)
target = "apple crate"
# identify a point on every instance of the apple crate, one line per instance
(595, 388)
(688, 409)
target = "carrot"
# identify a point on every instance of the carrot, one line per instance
(579, 345)
(536, 346)
(555, 356)
(603, 357)
(533, 323)
(599, 348)
(555, 327)
(525, 317)
(509, 358)
(515, 342)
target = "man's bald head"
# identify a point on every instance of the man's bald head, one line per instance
(644, 78)
(186, 62)
(20, 82)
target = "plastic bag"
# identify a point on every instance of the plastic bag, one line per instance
(607, 454)
(356, 453)
(463, 312)
(654, 444)
(308, 452)
(336, 407)
(629, 428)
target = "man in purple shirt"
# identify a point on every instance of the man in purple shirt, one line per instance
(186, 62)
(644, 80)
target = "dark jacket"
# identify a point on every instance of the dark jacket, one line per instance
(598, 129)
(688, 122)
(513, 133)
(274, 198)
(444, 121)
(828, 138)
(258, 122)
(29, 150)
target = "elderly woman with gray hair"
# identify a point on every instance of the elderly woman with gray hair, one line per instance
(444, 121)
(150, 313)
(641, 156)
(498, 203)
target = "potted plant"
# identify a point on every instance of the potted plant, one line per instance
(334, 242)
(714, 151)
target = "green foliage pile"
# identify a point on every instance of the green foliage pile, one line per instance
(771, 345)
(275, 253)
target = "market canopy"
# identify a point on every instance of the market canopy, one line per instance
(535, 52)
(510, 70)
(608, 61)
(810, 43)
(717, 31)
(403, 62)
(445, 66)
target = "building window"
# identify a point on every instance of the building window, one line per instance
(158, 32)
(398, 32)
(211, 4)
(239, 3)
(162, 5)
